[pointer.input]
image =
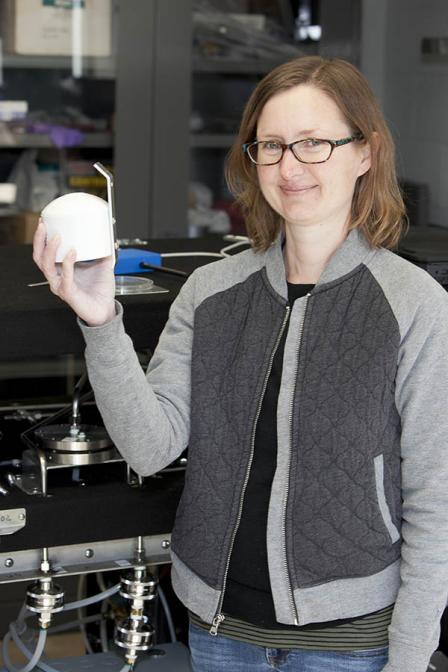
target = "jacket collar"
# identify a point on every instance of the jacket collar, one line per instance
(355, 250)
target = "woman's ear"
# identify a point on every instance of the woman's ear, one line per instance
(368, 150)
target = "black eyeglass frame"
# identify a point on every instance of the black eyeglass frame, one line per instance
(333, 144)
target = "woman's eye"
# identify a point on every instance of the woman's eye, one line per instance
(272, 147)
(312, 143)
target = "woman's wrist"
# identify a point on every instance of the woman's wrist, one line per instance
(103, 320)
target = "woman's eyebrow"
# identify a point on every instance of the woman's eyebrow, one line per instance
(274, 136)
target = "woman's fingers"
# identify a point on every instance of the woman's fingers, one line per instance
(39, 243)
(44, 255)
(48, 257)
(67, 274)
(88, 290)
(48, 263)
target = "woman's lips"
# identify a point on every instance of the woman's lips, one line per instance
(297, 189)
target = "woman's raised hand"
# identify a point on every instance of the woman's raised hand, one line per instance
(88, 288)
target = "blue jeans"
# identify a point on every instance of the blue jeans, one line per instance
(222, 654)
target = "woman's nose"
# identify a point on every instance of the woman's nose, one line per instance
(290, 166)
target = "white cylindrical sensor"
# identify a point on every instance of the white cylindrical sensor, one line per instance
(83, 223)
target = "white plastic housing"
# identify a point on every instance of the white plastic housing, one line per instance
(83, 223)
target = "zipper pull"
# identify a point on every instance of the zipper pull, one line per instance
(216, 623)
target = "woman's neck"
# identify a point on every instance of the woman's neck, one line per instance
(307, 251)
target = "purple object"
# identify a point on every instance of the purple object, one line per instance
(61, 136)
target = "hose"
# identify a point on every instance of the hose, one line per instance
(100, 581)
(27, 653)
(33, 658)
(103, 623)
(80, 613)
(94, 598)
(103, 636)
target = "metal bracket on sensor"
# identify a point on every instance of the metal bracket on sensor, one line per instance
(12, 520)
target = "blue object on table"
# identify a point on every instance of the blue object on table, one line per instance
(130, 259)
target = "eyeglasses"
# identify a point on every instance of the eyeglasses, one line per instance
(309, 150)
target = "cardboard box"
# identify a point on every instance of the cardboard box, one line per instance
(19, 228)
(57, 27)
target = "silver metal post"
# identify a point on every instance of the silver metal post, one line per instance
(111, 202)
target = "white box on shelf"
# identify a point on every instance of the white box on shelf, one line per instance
(13, 109)
(58, 27)
(8, 192)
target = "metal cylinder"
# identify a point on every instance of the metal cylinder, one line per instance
(45, 598)
(134, 635)
(137, 585)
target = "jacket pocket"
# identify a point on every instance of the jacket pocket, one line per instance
(381, 497)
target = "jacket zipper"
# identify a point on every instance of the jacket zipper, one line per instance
(285, 501)
(219, 617)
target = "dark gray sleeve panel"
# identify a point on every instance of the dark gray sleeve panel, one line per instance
(421, 309)
(234, 334)
(345, 417)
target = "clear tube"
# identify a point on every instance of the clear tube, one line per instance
(100, 581)
(23, 615)
(94, 598)
(27, 653)
(33, 659)
(103, 629)
(80, 613)
(103, 622)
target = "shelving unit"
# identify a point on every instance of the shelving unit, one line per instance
(221, 85)
(42, 140)
(100, 67)
(156, 78)
(220, 89)
(51, 85)
(224, 75)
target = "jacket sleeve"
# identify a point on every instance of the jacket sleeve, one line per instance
(147, 416)
(422, 402)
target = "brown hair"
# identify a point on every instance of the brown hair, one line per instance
(377, 206)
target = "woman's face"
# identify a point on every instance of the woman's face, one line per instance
(310, 194)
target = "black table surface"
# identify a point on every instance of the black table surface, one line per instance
(36, 324)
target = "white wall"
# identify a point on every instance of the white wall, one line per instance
(413, 94)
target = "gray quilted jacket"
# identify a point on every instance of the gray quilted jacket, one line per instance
(358, 516)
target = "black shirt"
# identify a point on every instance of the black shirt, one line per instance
(248, 594)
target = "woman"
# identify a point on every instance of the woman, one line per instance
(299, 373)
